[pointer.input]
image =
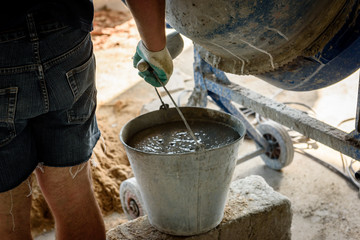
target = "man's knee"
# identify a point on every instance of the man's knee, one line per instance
(65, 186)
(69, 193)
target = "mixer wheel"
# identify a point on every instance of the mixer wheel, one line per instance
(281, 150)
(131, 200)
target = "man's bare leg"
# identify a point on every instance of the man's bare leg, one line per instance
(69, 194)
(15, 208)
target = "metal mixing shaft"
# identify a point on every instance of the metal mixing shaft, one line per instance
(199, 146)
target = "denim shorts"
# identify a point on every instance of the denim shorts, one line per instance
(47, 99)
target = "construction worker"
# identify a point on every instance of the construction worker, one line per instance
(47, 109)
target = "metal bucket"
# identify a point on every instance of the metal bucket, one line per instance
(184, 194)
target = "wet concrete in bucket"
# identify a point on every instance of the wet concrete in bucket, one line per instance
(173, 137)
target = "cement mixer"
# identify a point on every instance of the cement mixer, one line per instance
(294, 45)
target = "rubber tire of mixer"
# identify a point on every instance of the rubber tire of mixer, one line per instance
(130, 195)
(284, 142)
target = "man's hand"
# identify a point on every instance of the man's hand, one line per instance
(160, 62)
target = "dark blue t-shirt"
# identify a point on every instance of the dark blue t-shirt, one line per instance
(77, 13)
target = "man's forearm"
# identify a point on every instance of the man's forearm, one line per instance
(149, 16)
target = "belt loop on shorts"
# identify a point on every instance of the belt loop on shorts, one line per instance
(31, 27)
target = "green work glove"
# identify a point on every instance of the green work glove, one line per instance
(160, 62)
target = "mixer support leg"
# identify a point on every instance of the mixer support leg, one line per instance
(355, 134)
(204, 70)
(357, 124)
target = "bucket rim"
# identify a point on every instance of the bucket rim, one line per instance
(242, 133)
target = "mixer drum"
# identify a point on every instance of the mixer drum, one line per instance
(283, 42)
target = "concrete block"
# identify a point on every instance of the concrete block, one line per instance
(253, 211)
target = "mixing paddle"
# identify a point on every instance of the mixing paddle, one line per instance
(199, 146)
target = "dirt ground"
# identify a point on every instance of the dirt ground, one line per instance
(325, 206)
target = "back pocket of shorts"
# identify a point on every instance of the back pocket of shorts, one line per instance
(8, 97)
(82, 82)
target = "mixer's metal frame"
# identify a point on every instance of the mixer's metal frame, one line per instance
(212, 82)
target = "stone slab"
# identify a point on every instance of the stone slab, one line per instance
(253, 211)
